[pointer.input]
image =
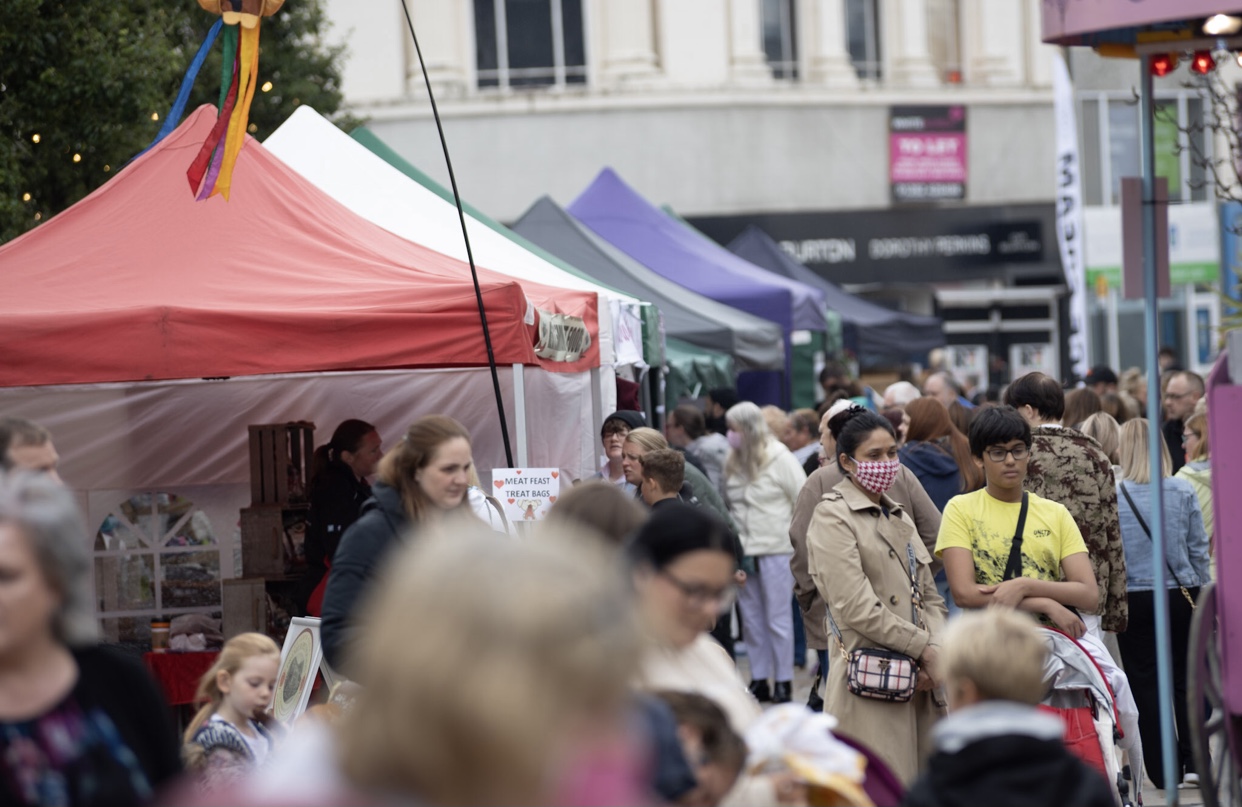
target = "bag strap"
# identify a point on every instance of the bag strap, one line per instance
(915, 595)
(1013, 567)
(1147, 532)
(915, 598)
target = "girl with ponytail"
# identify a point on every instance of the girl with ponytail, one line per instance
(232, 732)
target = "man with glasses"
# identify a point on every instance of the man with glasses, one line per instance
(1068, 467)
(1181, 393)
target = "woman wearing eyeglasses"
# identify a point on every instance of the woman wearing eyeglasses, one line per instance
(683, 576)
(1198, 468)
(861, 546)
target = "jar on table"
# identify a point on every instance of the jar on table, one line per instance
(159, 636)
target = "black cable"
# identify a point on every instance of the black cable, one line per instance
(461, 215)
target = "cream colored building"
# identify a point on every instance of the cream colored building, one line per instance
(770, 111)
(684, 101)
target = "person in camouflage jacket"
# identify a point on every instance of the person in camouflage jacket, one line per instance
(1069, 467)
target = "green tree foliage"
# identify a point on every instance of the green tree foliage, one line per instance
(95, 78)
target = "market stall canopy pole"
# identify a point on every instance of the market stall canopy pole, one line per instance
(461, 215)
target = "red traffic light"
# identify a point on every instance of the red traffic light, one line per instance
(1203, 63)
(1163, 63)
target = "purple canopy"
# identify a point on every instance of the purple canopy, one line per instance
(644, 232)
(875, 333)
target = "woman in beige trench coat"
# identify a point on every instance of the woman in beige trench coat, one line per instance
(856, 547)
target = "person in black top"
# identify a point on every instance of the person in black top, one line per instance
(79, 724)
(338, 487)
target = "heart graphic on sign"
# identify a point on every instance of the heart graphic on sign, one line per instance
(499, 484)
(511, 501)
(519, 472)
(555, 474)
(551, 498)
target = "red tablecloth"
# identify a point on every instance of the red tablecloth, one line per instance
(179, 673)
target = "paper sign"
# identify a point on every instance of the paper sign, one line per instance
(526, 493)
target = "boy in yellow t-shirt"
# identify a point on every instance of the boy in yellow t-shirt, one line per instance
(977, 534)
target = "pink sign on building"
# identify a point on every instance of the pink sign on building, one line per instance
(927, 153)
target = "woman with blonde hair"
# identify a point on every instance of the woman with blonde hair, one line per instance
(1187, 567)
(1198, 468)
(232, 733)
(421, 481)
(505, 691)
(762, 482)
(1106, 431)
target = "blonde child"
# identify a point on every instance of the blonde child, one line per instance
(232, 733)
(996, 746)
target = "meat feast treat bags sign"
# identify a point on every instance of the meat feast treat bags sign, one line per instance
(526, 493)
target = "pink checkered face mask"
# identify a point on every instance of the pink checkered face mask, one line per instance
(877, 476)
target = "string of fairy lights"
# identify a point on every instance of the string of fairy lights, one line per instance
(37, 139)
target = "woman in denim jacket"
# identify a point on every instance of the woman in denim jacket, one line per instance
(1187, 568)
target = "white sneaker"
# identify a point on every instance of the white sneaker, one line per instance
(1190, 780)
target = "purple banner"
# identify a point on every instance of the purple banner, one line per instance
(927, 153)
(1065, 20)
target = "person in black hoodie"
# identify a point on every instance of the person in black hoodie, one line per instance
(996, 746)
(421, 480)
(338, 487)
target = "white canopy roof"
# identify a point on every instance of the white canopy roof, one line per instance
(354, 176)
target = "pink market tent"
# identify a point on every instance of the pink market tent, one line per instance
(140, 282)
(147, 331)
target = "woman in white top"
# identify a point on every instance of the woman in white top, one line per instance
(762, 483)
(683, 575)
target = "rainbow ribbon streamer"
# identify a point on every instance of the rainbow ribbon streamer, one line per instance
(211, 172)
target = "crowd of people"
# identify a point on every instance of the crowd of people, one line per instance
(911, 547)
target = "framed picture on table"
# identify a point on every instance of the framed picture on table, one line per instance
(300, 660)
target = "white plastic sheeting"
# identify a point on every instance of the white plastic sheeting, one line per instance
(168, 434)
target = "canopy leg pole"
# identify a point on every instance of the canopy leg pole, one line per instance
(519, 412)
(597, 417)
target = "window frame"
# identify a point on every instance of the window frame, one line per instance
(871, 68)
(788, 68)
(1099, 151)
(559, 72)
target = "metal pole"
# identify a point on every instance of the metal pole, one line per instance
(1160, 597)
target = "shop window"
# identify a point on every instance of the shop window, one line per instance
(862, 26)
(1110, 132)
(944, 39)
(155, 556)
(529, 43)
(780, 38)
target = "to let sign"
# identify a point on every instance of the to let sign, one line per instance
(927, 153)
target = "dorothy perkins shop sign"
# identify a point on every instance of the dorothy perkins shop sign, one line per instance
(927, 153)
(915, 245)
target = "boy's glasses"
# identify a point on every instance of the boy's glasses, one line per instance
(998, 454)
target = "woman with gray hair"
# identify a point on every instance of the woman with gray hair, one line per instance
(79, 724)
(762, 482)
